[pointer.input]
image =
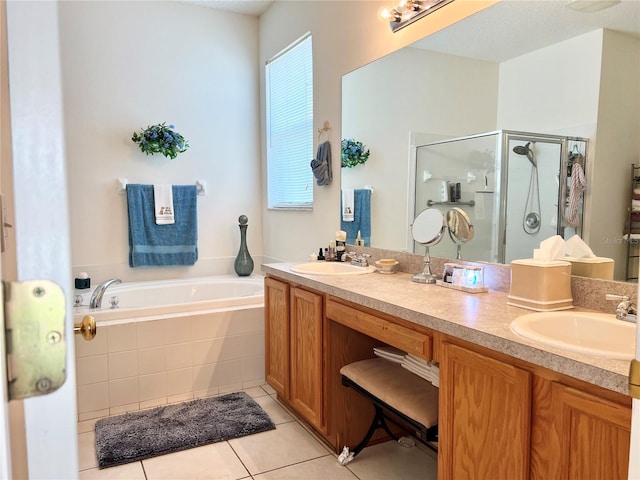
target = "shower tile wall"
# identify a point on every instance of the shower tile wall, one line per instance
(132, 366)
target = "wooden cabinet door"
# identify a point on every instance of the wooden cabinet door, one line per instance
(484, 424)
(594, 436)
(277, 338)
(305, 392)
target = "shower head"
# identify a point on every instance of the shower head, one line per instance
(525, 150)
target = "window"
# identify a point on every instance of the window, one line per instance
(289, 102)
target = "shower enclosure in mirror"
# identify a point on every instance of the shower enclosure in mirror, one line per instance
(514, 186)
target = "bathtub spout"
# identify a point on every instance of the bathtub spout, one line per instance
(96, 297)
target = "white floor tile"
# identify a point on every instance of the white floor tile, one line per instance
(87, 450)
(130, 471)
(289, 443)
(274, 410)
(391, 460)
(254, 392)
(215, 461)
(267, 388)
(318, 469)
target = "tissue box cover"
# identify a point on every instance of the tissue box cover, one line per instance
(540, 285)
(594, 267)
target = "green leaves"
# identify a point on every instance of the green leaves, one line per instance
(160, 139)
(353, 153)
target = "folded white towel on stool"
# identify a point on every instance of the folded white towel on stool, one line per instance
(347, 205)
(163, 199)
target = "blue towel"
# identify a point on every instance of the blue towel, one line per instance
(361, 217)
(162, 245)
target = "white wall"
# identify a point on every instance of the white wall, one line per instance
(419, 91)
(617, 146)
(127, 65)
(334, 26)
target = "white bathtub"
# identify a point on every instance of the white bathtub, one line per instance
(139, 301)
(170, 341)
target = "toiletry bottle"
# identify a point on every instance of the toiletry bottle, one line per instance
(359, 241)
(332, 251)
(320, 255)
(341, 241)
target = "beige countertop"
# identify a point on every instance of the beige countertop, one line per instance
(481, 318)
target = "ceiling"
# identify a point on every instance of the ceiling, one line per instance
(514, 27)
(246, 7)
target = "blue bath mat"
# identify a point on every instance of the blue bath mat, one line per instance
(135, 436)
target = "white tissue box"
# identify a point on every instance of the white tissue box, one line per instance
(540, 285)
(594, 267)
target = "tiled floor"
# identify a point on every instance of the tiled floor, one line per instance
(289, 452)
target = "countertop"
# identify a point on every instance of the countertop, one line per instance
(481, 318)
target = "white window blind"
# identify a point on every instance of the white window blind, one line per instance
(289, 105)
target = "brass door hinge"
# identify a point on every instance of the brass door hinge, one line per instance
(34, 314)
(634, 379)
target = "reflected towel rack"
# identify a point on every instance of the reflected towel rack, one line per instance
(471, 203)
(121, 185)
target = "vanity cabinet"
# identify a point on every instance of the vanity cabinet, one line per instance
(484, 421)
(293, 348)
(588, 428)
(502, 418)
(499, 417)
(277, 335)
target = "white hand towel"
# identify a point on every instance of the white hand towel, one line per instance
(163, 199)
(347, 205)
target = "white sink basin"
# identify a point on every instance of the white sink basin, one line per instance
(596, 334)
(331, 268)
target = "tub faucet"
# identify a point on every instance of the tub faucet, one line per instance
(626, 310)
(96, 296)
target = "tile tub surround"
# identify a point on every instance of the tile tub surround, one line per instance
(482, 319)
(132, 366)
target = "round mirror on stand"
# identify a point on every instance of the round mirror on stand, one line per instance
(427, 229)
(460, 228)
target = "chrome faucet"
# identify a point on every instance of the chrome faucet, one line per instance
(96, 296)
(361, 260)
(626, 310)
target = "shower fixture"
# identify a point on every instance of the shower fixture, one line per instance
(531, 220)
(525, 150)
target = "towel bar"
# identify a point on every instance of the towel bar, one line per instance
(121, 185)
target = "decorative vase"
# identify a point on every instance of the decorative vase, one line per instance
(244, 263)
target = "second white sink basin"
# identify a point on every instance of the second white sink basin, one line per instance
(596, 334)
(331, 268)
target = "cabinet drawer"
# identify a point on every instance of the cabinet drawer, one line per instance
(411, 341)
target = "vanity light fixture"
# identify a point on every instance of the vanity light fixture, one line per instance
(408, 11)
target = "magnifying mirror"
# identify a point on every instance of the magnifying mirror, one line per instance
(427, 229)
(460, 228)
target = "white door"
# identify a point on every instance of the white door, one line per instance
(42, 249)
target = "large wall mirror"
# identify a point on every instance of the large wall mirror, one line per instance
(537, 67)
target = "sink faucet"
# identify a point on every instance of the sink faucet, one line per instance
(96, 296)
(626, 310)
(360, 260)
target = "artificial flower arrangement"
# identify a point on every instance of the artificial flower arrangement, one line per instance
(161, 139)
(353, 153)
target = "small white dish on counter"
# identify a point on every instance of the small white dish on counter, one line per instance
(387, 265)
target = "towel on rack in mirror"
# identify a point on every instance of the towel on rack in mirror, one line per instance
(162, 245)
(163, 204)
(361, 217)
(347, 205)
(321, 165)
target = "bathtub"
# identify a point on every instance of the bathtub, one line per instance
(170, 341)
(139, 301)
